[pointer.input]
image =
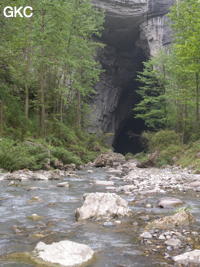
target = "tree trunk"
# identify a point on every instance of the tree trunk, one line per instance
(1, 117)
(26, 102)
(78, 109)
(197, 100)
(42, 83)
(42, 104)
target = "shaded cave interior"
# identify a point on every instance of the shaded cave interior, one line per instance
(127, 55)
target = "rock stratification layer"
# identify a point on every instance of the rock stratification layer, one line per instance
(134, 30)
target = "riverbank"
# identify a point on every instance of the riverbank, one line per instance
(55, 151)
(44, 210)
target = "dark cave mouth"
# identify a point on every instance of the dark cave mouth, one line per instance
(128, 138)
(129, 51)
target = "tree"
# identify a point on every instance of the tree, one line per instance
(49, 63)
(152, 107)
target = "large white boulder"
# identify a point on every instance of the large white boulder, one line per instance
(66, 253)
(191, 258)
(99, 206)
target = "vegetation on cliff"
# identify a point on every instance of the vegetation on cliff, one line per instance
(47, 73)
(170, 91)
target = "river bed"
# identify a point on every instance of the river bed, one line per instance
(115, 245)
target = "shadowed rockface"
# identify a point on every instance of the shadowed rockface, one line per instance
(134, 30)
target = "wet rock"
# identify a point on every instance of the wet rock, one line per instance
(173, 242)
(191, 258)
(108, 224)
(106, 183)
(20, 175)
(111, 188)
(194, 184)
(35, 217)
(109, 159)
(169, 202)
(146, 235)
(64, 184)
(99, 206)
(169, 222)
(3, 175)
(148, 205)
(161, 237)
(58, 164)
(32, 188)
(39, 176)
(115, 171)
(12, 183)
(35, 199)
(65, 253)
(38, 235)
(70, 167)
(127, 189)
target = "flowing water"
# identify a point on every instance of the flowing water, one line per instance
(116, 245)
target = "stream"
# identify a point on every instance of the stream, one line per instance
(115, 244)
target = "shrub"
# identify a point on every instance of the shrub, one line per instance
(161, 139)
(15, 156)
(65, 156)
(166, 156)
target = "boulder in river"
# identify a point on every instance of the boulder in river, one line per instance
(106, 183)
(99, 206)
(63, 184)
(181, 218)
(173, 242)
(191, 258)
(109, 159)
(65, 253)
(169, 202)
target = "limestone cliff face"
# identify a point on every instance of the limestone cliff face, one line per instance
(134, 30)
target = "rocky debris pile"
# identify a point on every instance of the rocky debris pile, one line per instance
(147, 180)
(23, 175)
(168, 243)
(65, 253)
(102, 206)
(179, 219)
(154, 180)
(109, 159)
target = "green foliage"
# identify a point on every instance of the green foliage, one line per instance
(15, 156)
(65, 156)
(161, 139)
(170, 82)
(48, 68)
(34, 154)
(168, 145)
(169, 155)
(47, 64)
(152, 107)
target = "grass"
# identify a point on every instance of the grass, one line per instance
(171, 150)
